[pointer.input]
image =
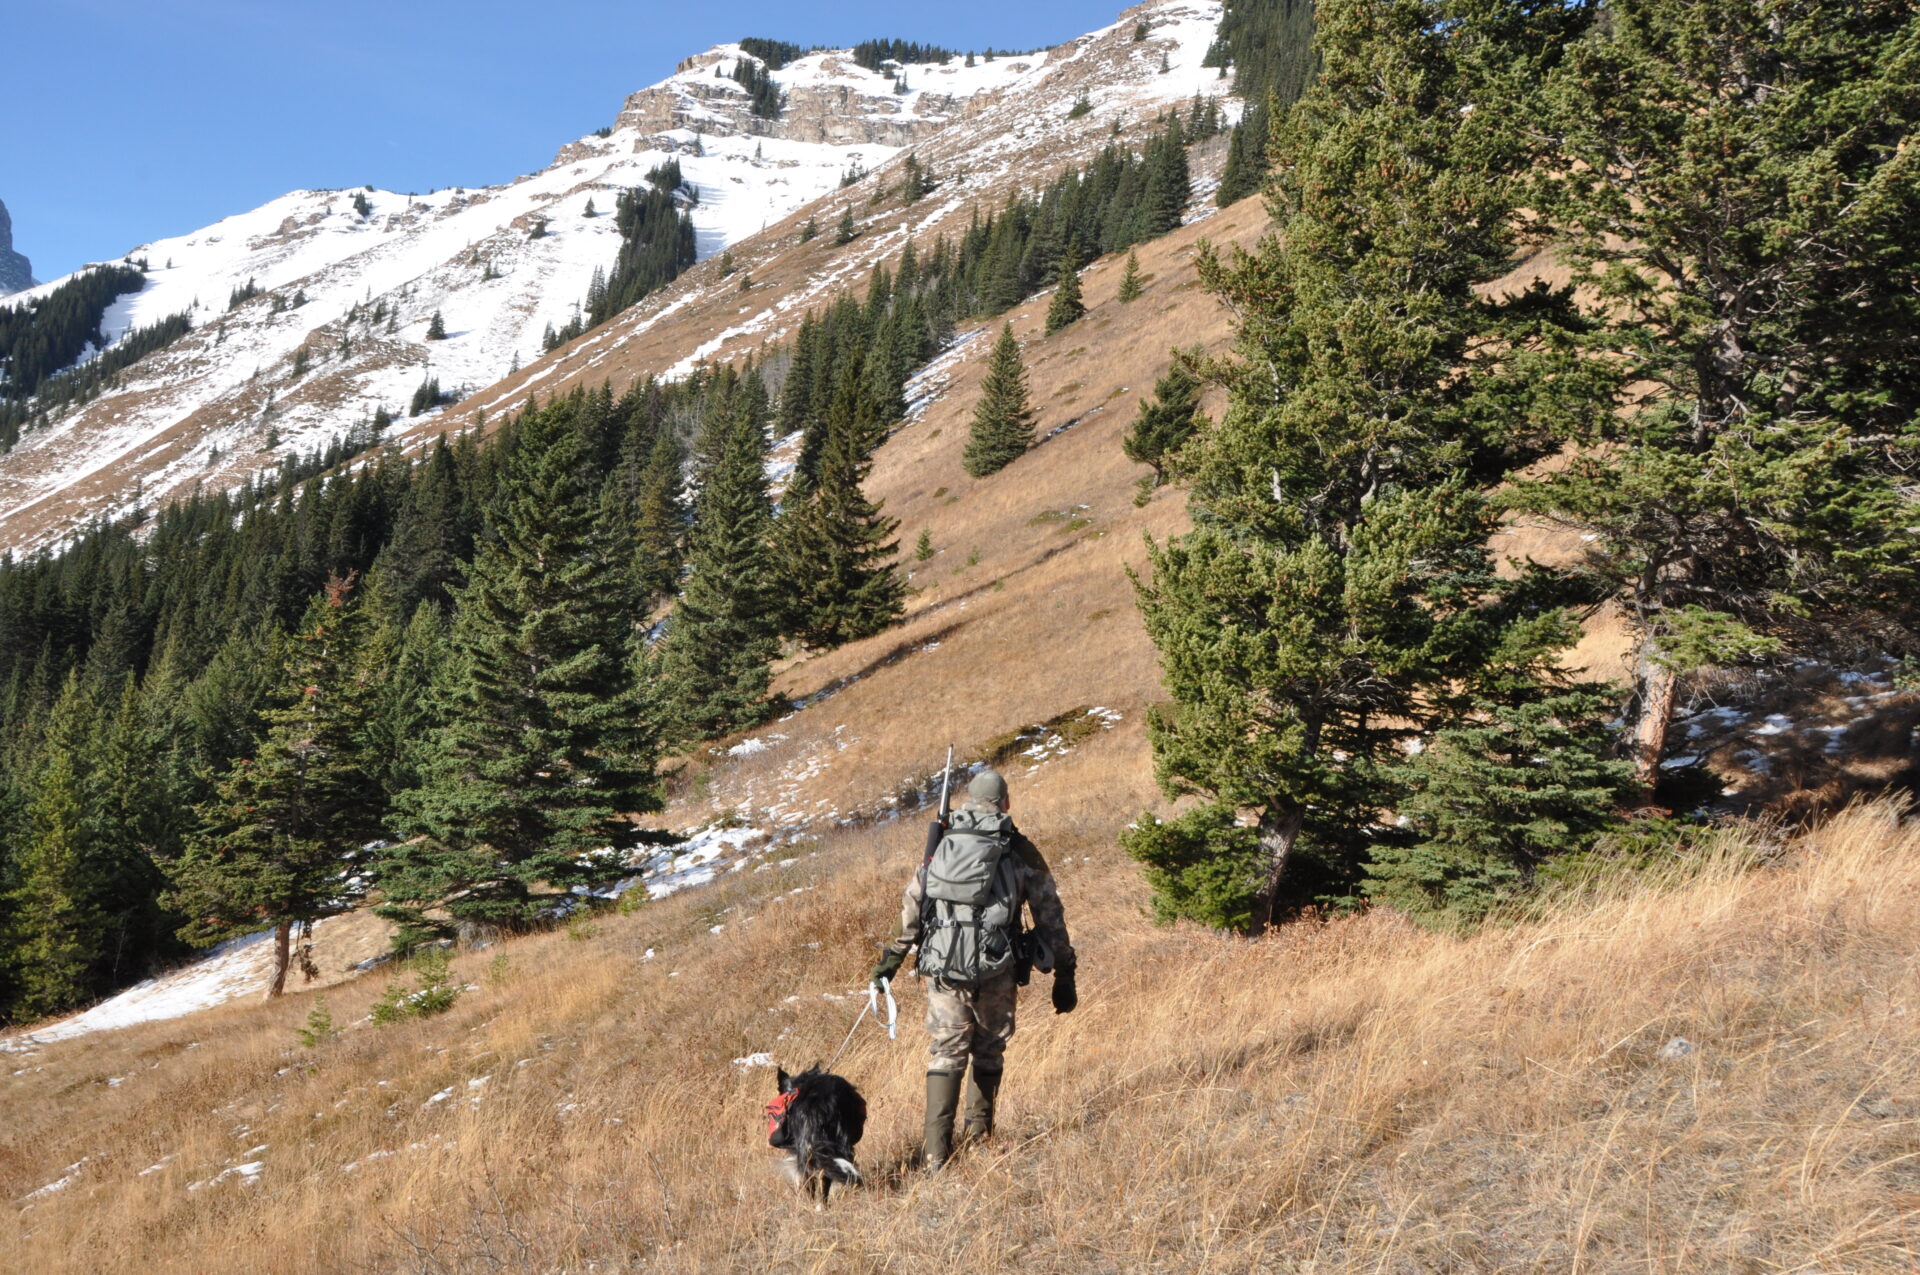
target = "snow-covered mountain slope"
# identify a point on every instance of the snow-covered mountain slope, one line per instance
(1012, 137)
(291, 368)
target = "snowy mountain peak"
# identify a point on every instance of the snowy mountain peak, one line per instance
(312, 312)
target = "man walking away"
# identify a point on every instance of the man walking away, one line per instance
(963, 910)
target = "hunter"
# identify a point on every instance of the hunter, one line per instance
(962, 909)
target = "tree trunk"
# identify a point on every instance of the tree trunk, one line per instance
(282, 934)
(1277, 835)
(1657, 684)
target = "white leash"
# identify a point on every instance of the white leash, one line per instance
(874, 992)
(893, 1011)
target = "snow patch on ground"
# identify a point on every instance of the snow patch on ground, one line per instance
(238, 967)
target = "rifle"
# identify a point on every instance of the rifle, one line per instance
(936, 832)
(938, 828)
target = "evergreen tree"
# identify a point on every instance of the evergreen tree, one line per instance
(136, 803)
(810, 230)
(659, 528)
(55, 936)
(1246, 157)
(1164, 423)
(277, 839)
(1749, 245)
(1492, 799)
(403, 664)
(721, 639)
(1003, 419)
(1336, 596)
(1270, 45)
(837, 558)
(1169, 183)
(1130, 285)
(436, 328)
(843, 233)
(542, 755)
(1066, 305)
(421, 562)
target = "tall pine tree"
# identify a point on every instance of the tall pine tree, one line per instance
(1336, 597)
(277, 840)
(837, 557)
(1003, 419)
(54, 939)
(1737, 186)
(714, 662)
(544, 752)
(1066, 305)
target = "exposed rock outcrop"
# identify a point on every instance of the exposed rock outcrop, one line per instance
(827, 104)
(16, 272)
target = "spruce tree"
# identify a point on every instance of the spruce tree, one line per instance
(837, 558)
(714, 662)
(1165, 422)
(1066, 305)
(1492, 799)
(544, 752)
(1246, 158)
(136, 806)
(844, 232)
(1745, 225)
(404, 663)
(436, 328)
(1130, 285)
(55, 933)
(1336, 597)
(1003, 419)
(1169, 182)
(659, 523)
(277, 838)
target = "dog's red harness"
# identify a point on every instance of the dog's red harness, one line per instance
(777, 1113)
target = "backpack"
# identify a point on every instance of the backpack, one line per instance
(970, 914)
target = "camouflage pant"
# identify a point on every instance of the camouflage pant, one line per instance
(976, 1022)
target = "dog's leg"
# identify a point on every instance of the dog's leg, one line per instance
(791, 1171)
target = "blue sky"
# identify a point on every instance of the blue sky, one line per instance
(125, 121)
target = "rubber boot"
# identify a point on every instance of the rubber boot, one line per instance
(943, 1100)
(983, 1086)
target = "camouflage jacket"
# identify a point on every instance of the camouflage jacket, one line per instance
(1033, 881)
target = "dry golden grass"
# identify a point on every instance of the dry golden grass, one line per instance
(1357, 1096)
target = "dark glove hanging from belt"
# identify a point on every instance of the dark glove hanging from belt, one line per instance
(1066, 997)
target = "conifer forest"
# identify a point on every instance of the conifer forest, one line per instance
(361, 677)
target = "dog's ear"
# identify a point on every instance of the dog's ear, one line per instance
(781, 1078)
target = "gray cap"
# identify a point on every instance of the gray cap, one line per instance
(987, 788)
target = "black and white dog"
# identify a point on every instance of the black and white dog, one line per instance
(817, 1119)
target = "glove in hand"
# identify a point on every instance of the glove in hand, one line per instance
(1066, 996)
(889, 966)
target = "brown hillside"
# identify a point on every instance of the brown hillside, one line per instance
(1719, 1075)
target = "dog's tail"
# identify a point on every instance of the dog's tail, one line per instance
(834, 1163)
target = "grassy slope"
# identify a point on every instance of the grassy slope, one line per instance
(1359, 1096)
